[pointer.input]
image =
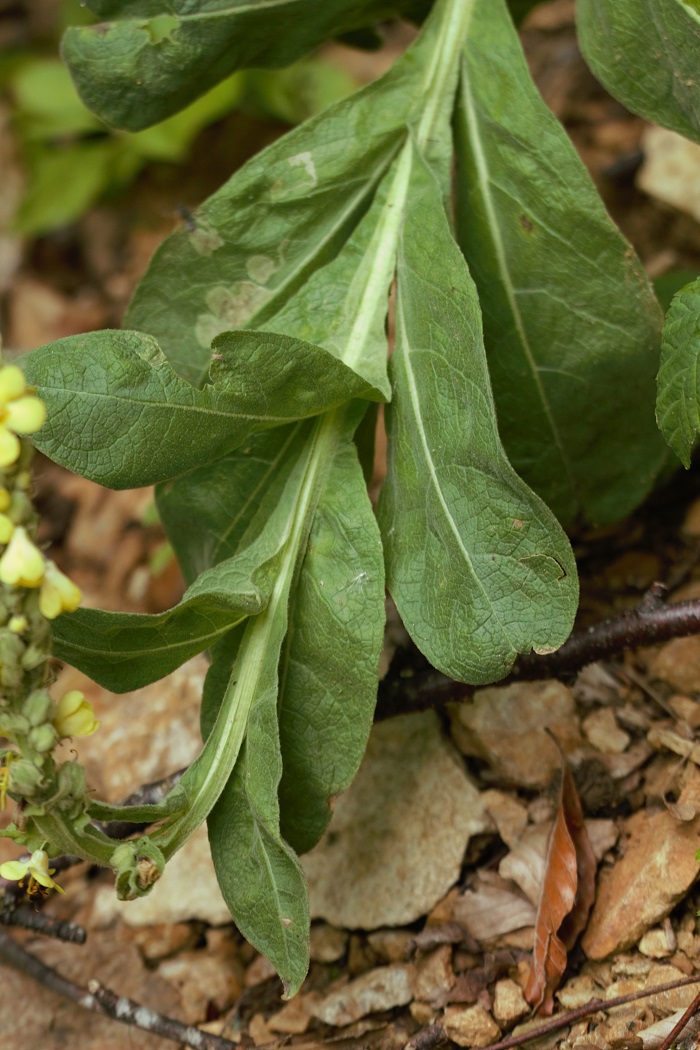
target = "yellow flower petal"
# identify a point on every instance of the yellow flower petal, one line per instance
(12, 383)
(14, 869)
(9, 447)
(25, 415)
(58, 593)
(22, 564)
(18, 624)
(5, 499)
(74, 715)
(7, 527)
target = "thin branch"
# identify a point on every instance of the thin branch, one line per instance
(28, 918)
(649, 623)
(681, 1023)
(101, 1000)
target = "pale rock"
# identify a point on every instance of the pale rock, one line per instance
(519, 940)
(470, 1026)
(381, 989)
(578, 991)
(629, 966)
(678, 663)
(433, 974)
(603, 732)
(327, 943)
(509, 815)
(622, 765)
(671, 170)
(259, 1030)
(686, 709)
(422, 1013)
(623, 986)
(654, 944)
(507, 727)
(296, 1015)
(662, 738)
(675, 998)
(656, 871)
(509, 1003)
(202, 981)
(261, 969)
(397, 838)
(163, 940)
(493, 907)
(390, 945)
(187, 890)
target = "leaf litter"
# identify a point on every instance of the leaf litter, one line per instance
(460, 952)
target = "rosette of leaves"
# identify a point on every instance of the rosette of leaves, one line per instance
(255, 349)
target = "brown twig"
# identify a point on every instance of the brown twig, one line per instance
(649, 623)
(28, 918)
(681, 1023)
(101, 1000)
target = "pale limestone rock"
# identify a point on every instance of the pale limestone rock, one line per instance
(656, 871)
(390, 945)
(296, 1015)
(509, 1003)
(509, 815)
(671, 170)
(259, 1030)
(433, 976)
(675, 998)
(327, 943)
(603, 732)
(258, 971)
(422, 1013)
(578, 991)
(397, 838)
(507, 726)
(470, 1026)
(678, 663)
(163, 940)
(654, 944)
(201, 979)
(379, 989)
(187, 890)
(686, 709)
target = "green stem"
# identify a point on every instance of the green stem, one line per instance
(89, 843)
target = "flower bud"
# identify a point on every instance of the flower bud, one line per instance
(58, 594)
(37, 707)
(25, 778)
(22, 564)
(42, 738)
(74, 715)
(26, 415)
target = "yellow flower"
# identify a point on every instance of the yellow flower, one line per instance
(74, 715)
(7, 527)
(5, 499)
(22, 564)
(37, 868)
(20, 413)
(18, 624)
(58, 594)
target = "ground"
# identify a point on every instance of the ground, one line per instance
(424, 908)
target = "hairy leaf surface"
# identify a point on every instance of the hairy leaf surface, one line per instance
(283, 215)
(569, 318)
(678, 397)
(117, 412)
(478, 566)
(645, 53)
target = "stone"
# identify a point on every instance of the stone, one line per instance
(509, 1003)
(678, 663)
(507, 727)
(203, 982)
(470, 1026)
(674, 998)
(654, 944)
(642, 887)
(603, 732)
(396, 842)
(671, 170)
(509, 815)
(327, 943)
(390, 945)
(164, 939)
(687, 710)
(433, 975)
(187, 890)
(296, 1015)
(578, 991)
(380, 989)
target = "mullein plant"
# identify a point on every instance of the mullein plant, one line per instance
(33, 592)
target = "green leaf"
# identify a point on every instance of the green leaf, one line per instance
(645, 53)
(330, 659)
(82, 170)
(569, 317)
(124, 651)
(119, 415)
(678, 398)
(478, 566)
(47, 103)
(174, 53)
(282, 217)
(300, 91)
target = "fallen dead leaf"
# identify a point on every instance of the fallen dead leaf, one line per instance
(566, 896)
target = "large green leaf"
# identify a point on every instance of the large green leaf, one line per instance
(478, 566)
(118, 414)
(570, 322)
(645, 52)
(125, 651)
(328, 670)
(678, 398)
(283, 216)
(154, 57)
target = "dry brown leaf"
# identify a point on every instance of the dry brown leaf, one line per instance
(566, 896)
